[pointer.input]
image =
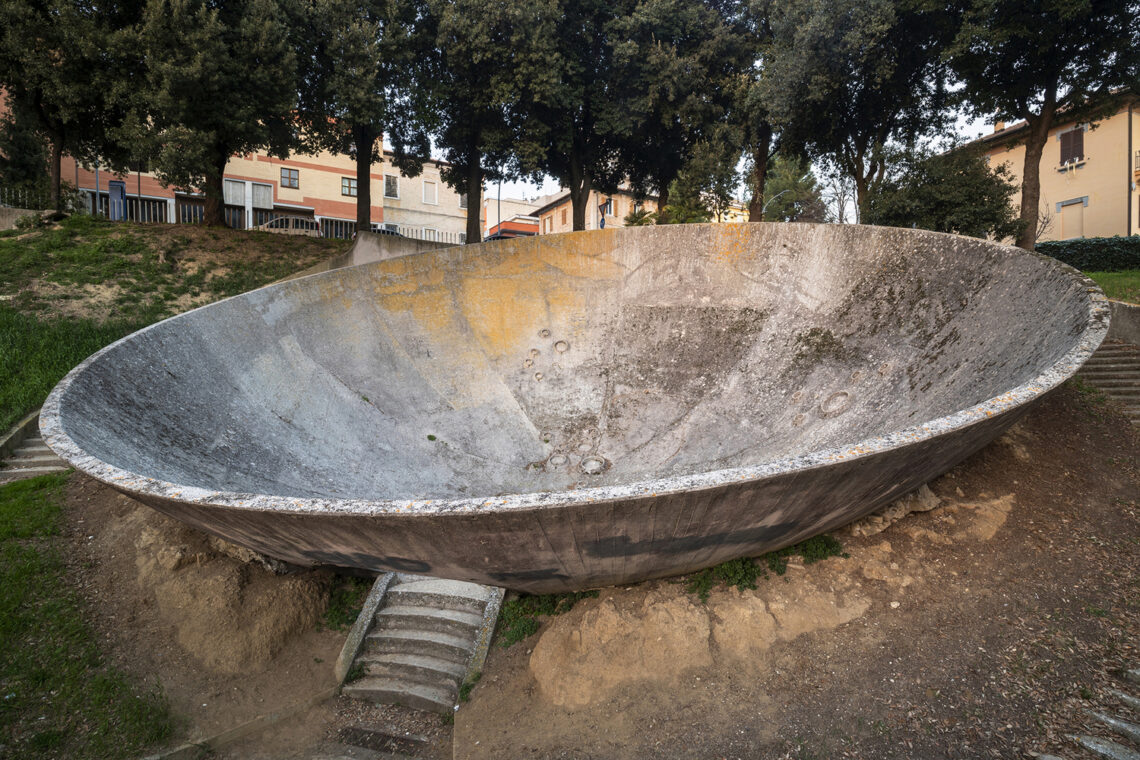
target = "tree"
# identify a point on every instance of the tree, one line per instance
(220, 80)
(58, 62)
(957, 191)
(793, 193)
(675, 64)
(845, 80)
(365, 72)
(1033, 60)
(494, 63)
(758, 135)
(23, 154)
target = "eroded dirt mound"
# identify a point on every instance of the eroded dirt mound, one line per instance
(230, 614)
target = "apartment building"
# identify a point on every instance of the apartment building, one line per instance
(1088, 172)
(602, 210)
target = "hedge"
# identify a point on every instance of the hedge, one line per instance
(1104, 254)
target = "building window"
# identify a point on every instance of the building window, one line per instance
(607, 208)
(463, 200)
(262, 195)
(1072, 145)
(348, 186)
(563, 216)
(391, 186)
(234, 192)
(290, 178)
(430, 195)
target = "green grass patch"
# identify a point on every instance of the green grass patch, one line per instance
(57, 695)
(743, 573)
(467, 685)
(346, 599)
(1122, 286)
(518, 617)
(122, 277)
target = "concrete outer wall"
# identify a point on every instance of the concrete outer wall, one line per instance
(293, 449)
(1125, 324)
(8, 216)
(1103, 177)
(369, 247)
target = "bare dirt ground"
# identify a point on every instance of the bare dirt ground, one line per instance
(981, 628)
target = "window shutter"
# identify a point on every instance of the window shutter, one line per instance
(234, 193)
(1066, 147)
(1078, 144)
(262, 196)
(391, 186)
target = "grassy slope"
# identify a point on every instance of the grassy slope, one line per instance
(69, 290)
(57, 697)
(1123, 286)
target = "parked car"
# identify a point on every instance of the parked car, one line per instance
(292, 225)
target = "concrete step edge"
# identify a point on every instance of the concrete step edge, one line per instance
(394, 691)
(410, 662)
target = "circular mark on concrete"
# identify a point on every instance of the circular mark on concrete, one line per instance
(544, 333)
(537, 375)
(797, 396)
(534, 352)
(558, 459)
(884, 368)
(585, 446)
(857, 375)
(528, 363)
(835, 404)
(798, 420)
(561, 346)
(593, 465)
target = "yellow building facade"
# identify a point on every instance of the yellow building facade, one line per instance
(1089, 173)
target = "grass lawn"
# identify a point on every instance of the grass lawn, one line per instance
(72, 288)
(1123, 286)
(57, 697)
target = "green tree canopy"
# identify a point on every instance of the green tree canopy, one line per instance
(220, 80)
(844, 80)
(366, 68)
(23, 152)
(957, 191)
(1035, 60)
(494, 66)
(793, 194)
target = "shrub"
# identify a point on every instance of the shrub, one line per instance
(1104, 254)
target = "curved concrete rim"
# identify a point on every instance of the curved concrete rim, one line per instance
(1060, 371)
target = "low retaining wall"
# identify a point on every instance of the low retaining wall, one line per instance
(1125, 323)
(8, 216)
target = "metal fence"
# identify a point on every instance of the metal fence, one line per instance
(18, 197)
(135, 209)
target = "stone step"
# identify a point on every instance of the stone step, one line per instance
(27, 472)
(390, 691)
(1122, 382)
(385, 739)
(339, 751)
(1100, 368)
(1127, 699)
(425, 643)
(412, 667)
(455, 595)
(1105, 748)
(1122, 727)
(23, 458)
(455, 622)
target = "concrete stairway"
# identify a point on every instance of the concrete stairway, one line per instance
(32, 457)
(1115, 370)
(1123, 726)
(428, 635)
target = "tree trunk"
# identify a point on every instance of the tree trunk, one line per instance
(862, 186)
(662, 202)
(474, 200)
(760, 157)
(215, 211)
(363, 139)
(1031, 177)
(56, 170)
(579, 191)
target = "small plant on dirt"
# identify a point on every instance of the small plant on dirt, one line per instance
(466, 687)
(355, 673)
(518, 618)
(346, 598)
(741, 573)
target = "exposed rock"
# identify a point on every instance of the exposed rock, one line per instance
(921, 500)
(988, 517)
(592, 651)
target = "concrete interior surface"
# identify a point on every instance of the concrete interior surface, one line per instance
(577, 410)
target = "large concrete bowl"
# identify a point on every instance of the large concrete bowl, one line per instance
(579, 410)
